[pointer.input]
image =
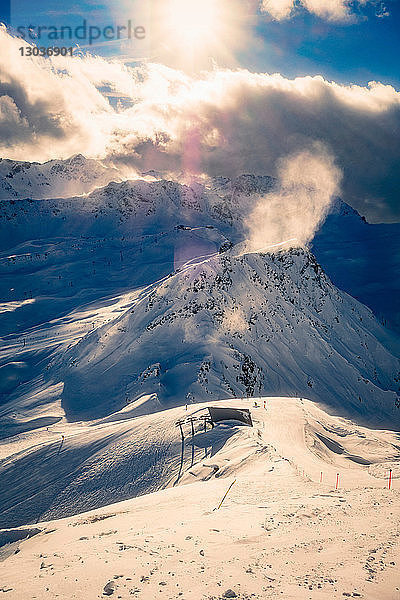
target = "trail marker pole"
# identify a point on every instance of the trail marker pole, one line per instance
(61, 445)
(320, 480)
(337, 481)
(390, 478)
(192, 425)
(225, 495)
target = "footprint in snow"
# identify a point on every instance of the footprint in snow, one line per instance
(109, 588)
(229, 594)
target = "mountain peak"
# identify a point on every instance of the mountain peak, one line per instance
(237, 326)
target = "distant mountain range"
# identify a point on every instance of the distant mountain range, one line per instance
(52, 179)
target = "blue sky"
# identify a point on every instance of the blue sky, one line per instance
(358, 52)
(366, 50)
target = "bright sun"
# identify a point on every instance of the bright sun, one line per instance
(194, 21)
(192, 31)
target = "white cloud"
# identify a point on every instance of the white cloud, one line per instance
(51, 108)
(221, 122)
(332, 10)
(278, 9)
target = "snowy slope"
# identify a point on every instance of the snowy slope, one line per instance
(96, 465)
(131, 208)
(277, 533)
(62, 253)
(360, 258)
(6, 190)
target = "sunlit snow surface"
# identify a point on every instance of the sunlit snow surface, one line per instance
(283, 507)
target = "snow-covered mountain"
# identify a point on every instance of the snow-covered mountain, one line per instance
(237, 326)
(361, 258)
(52, 179)
(62, 253)
(142, 287)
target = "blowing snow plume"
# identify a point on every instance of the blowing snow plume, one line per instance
(288, 218)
